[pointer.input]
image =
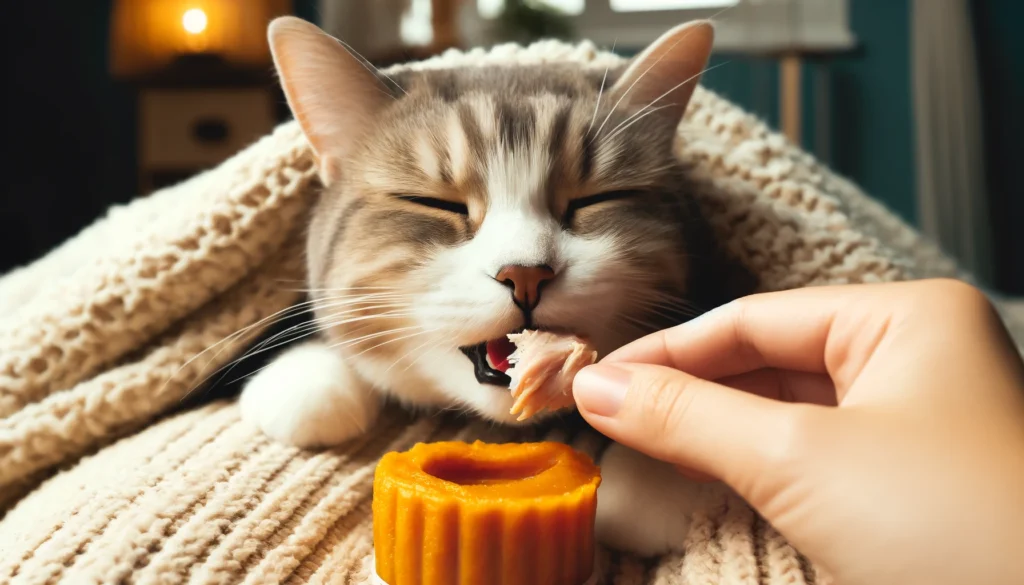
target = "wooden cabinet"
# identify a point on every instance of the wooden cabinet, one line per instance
(186, 130)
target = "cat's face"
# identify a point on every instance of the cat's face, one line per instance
(462, 205)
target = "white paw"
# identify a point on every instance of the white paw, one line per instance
(308, 397)
(644, 506)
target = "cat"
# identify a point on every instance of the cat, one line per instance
(461, 205)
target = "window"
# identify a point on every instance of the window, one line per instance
(741, 25)
(492, 8)
(415, 27)
(646, 5)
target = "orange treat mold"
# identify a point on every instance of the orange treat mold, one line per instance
(455, 513)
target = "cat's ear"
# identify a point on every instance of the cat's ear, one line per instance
(665, 74)
(331, 92)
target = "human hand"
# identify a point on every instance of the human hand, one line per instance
(880, 428)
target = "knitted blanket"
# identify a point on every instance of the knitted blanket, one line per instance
(104, 478)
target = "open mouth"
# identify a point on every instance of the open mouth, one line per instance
(490, 360)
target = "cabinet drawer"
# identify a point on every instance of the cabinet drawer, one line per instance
(200, 128)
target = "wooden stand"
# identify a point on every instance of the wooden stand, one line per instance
(790, 106)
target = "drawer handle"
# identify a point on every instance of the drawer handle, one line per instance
(210, 130)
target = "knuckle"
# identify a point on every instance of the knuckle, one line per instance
(953, 290)
(740, 325)
(952, 295)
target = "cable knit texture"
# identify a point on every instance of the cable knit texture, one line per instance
(102, 338)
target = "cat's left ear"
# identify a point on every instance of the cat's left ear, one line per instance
(333, 95)
(665, 74)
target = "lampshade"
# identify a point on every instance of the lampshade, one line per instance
(147, 35)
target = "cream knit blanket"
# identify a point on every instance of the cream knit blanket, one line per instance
(101, 339)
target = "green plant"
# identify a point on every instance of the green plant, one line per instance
(525, 21)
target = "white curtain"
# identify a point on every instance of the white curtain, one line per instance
(951, 193)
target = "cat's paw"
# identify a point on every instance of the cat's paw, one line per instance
(308, 397)
(644, 506)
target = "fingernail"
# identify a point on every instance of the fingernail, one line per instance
(600, 389)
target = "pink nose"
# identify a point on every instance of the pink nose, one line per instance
(525, 282)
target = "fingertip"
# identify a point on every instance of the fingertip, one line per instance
(601, 389)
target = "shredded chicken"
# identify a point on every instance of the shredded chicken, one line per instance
(543, 367)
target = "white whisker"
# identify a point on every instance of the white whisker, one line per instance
(369, 66)
(600, 92)
(407, 354)
(394, 340)
(634, 119)
(279, 315)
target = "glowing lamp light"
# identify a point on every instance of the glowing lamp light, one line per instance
(194, 21)
(147, 36)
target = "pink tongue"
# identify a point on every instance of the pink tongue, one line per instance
(498, 351)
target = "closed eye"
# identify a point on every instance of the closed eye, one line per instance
(577, 204)
(442, 204)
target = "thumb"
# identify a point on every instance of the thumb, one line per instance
(687, 421)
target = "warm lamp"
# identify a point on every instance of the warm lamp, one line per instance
(150, 35)
(203, 75)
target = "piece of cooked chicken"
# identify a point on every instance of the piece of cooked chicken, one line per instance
(543, 367)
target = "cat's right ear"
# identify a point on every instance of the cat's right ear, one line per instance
(331, 92)
(664, 76)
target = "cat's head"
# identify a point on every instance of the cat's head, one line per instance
(464, 204)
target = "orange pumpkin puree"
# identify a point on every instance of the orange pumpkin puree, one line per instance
(456, 513)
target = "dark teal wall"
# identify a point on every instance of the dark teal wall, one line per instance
(872, 116)
(307, 9)
(750, 82)
(869, 101)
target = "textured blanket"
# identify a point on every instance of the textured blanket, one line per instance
(105, 478)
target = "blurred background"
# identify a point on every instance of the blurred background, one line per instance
(917, 101)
